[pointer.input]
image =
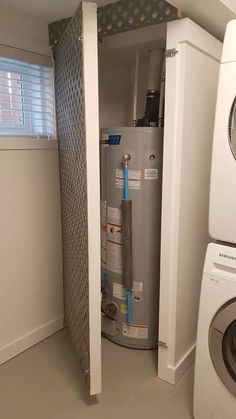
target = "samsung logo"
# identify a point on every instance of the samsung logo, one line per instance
(222, 255)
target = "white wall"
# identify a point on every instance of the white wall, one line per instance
(31, 291)
(116, 73)
(114, 92)
(31, 306)
(116, 87)
(23, 30)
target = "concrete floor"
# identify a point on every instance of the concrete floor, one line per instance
(44, 383)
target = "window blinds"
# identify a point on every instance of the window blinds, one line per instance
(26, 99)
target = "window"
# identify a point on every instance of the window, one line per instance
(26, 99)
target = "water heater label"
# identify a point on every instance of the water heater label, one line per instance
(135, 331)
(104, 140)
(103, 233)
(114, 233)
(103, 237)
(114, 216)
(104, 212)
(103, 257)
(123, 308)
(119, 290)
(134, 179)
(114, 257)
(151, 174)
(137, 286)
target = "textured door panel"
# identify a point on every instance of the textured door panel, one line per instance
(77, 128)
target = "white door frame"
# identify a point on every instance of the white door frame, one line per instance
(179, 258)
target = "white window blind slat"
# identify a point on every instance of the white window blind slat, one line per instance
(28, 107)
(17, 91)
(26, 85)
(26, 79)
(26, 99)
(32, 99)
(39, 113)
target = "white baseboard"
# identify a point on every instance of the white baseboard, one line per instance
(30, 339)
(172, 374)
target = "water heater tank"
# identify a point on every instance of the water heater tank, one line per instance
(144, 145)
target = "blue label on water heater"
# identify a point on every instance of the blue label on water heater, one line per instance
(114, 139)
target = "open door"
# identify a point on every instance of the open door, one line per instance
(76, 84)
(192, 67)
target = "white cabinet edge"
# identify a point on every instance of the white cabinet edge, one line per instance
(90, 58)
(185, 30)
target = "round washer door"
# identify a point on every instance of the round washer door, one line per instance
(222, 345)
(232, 128)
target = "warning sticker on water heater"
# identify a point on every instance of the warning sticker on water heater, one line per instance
(135, 331)
(114, 216)
(113, 230)
(104, 237)
(151, 174)
(104, 212)
(114, 257)
(114, 233)
(134, 179)
(123, 308)
(104, 140)
(119, 290)
(103, 257)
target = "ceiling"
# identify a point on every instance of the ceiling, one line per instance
(231, 4)
(49, 10)
(211, 14)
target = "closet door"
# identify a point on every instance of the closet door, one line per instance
(76, 84)
(192, 67)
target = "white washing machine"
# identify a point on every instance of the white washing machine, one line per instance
(222, 216)
(215, 370)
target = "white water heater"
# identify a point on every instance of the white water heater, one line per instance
(130, 229)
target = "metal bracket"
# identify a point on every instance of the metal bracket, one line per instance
(162, 344)
(171, 53)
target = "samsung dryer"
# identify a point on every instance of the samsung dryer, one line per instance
(215, 368)
(222, 215)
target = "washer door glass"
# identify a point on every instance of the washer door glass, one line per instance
(232, 128)
(229, 349)
(222, 344)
